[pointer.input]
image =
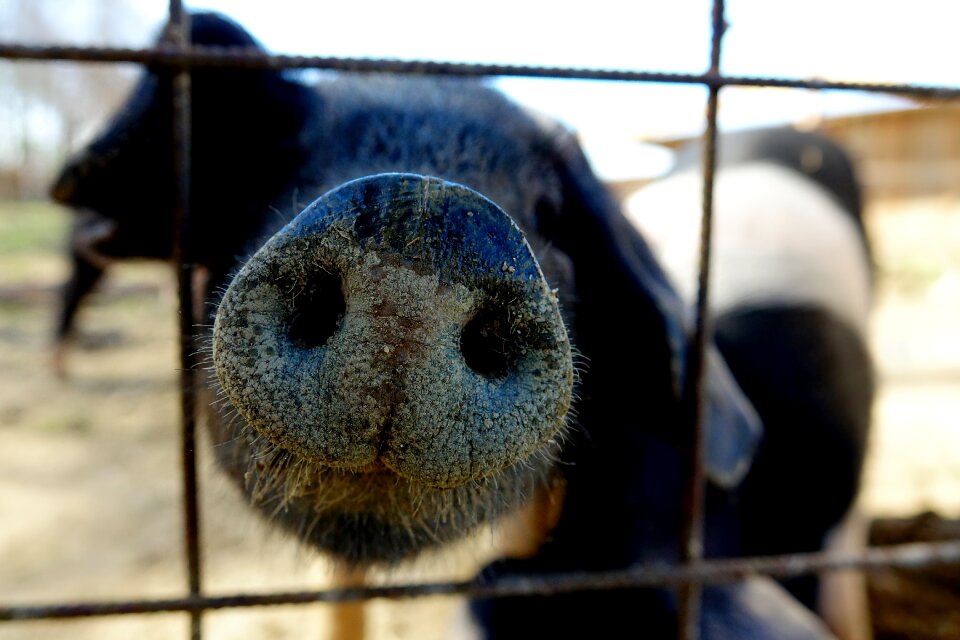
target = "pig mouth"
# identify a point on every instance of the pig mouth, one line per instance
(368, 515)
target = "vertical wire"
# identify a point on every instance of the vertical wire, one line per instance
(179, 26)
(688, 627)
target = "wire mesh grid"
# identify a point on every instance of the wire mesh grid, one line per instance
(691, 574)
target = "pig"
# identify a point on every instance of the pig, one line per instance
(792, 288)
(427, 315)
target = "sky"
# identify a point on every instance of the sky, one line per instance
(890, 40)
(863, 40)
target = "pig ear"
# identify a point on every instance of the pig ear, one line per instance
(644, 327)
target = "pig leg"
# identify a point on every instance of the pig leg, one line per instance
(348, 621)
(842, 601)
(84, 276)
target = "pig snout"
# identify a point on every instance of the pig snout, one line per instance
(399, 324)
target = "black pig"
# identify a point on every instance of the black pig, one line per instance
(791, 294)
(92, 246)
(394, 366)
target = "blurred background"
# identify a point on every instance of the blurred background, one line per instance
(89, 462)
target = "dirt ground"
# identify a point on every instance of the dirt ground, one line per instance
(89, 465)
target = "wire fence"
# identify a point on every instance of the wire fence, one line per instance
(694, 571)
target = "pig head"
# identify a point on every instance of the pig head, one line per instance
(461, 316)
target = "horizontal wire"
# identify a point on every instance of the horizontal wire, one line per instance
(906, 556)
(204, 56)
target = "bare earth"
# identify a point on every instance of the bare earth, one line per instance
(89, 465)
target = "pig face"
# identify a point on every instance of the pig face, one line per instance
(393, 366)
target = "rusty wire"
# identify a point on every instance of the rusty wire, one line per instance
(904, 556)
(179, 54)
(183, 258)
(205, 56)
(694, 499)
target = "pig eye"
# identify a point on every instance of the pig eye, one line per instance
(317, 311)
(485, 343)
(547, 216)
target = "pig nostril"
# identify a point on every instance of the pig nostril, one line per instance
(317, 312)
(485, 343)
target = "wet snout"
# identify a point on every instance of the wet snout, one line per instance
(400, 323)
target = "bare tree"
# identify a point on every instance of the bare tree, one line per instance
(47, 108)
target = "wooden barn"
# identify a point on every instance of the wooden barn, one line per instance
(903, 154)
